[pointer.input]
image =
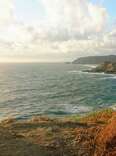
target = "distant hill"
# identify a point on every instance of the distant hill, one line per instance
(95, 59)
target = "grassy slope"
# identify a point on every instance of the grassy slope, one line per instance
(93, 135)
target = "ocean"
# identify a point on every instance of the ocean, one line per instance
(54, 89)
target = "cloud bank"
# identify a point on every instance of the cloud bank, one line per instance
(68, 29)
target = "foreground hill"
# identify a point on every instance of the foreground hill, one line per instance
(94, 135)
(95, 59)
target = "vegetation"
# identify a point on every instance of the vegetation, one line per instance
(93, 135)
(95, 59)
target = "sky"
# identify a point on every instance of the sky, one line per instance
(56, 31)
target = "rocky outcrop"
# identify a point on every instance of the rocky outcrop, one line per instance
(106, 67)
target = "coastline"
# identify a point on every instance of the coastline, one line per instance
(92, 135)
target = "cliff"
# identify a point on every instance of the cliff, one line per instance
(95, 59)
(93, 135)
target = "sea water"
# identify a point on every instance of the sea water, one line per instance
(54, 89)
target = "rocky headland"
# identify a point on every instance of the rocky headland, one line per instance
(106, 67)
(95, 59)
(93, 135)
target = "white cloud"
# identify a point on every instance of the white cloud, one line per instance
(74, 18)
(69, 29)
(6, 8)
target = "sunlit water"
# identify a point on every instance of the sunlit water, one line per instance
(53, 89)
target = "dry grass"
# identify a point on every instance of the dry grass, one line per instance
(94, 135)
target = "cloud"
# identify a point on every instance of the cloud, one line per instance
(6, 12)
(74, 18)
(69, 29)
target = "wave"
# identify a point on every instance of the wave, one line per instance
(68, 110)
(90, 65)
(113, 107)
(86, 72)
(95, 73)
(74, 71)
(81, 109)
(110, 77)
(101, 73)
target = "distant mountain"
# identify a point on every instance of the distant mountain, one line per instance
(95, 59)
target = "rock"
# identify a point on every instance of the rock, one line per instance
(106, 67)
